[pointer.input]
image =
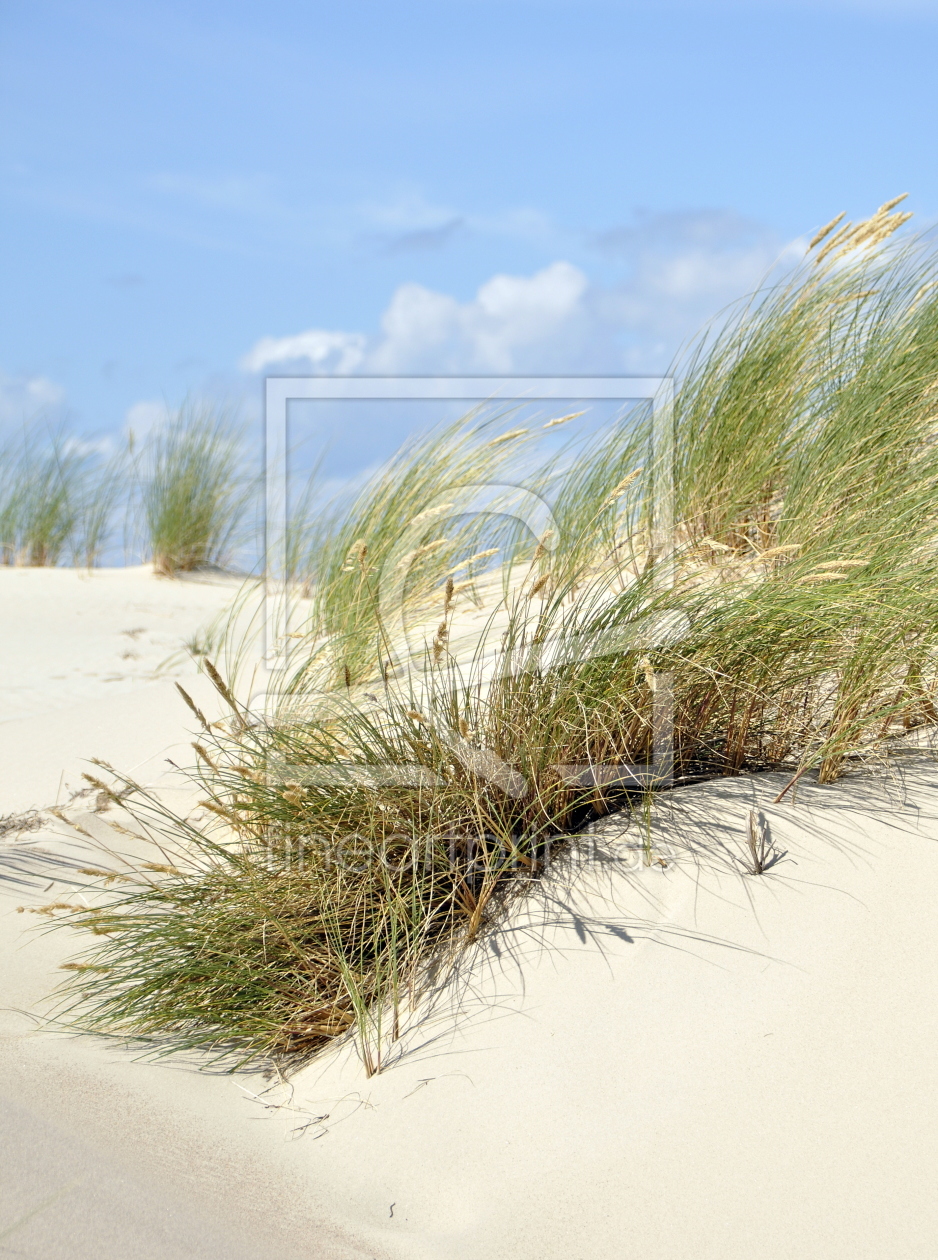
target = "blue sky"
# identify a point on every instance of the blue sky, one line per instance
(195, 193)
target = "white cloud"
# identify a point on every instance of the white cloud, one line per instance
(23, 398)
(511, 323)
(321, 349)
(683, 269)
(678, 271)
(104, 446)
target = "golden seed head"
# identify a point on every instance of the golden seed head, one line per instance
(507, 437)
(828, 227)
(552, 424)
(479, 555)
(623, 486)
(834, 241)
(356, 554)
(427, 513)
(888, 205)
(418, 552)
(780, 551)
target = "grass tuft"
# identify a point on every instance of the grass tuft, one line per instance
(377, 819)
(193, 490)
(42, 485)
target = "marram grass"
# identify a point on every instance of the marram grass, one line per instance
(356, 836)
(64, 501)
(54, 501)
(192, 489)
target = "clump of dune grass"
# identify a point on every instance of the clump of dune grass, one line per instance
(193, 490)
(51, 503)
(353, 836)
(40, 504)
(59, 498)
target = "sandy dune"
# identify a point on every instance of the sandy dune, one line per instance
(68, 635)
(671, 1063)
(683, 1062)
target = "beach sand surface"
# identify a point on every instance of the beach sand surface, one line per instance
(655, 1061)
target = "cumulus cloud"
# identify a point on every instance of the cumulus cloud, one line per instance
(318, 348)
(667, 276)
(682, 270)
(512, 322)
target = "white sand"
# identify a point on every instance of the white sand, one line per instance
(673, 1064)
(753, 1076)
(68, 635)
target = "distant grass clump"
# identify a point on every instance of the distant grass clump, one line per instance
(193, 490)
(63, 501)
(375, 820)
(57, 500)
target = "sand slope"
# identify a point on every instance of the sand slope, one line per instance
(68, 635)
(750, 1073)
(102, 1156)
(648, 1062)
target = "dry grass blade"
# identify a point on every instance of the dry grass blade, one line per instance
(760, 845)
